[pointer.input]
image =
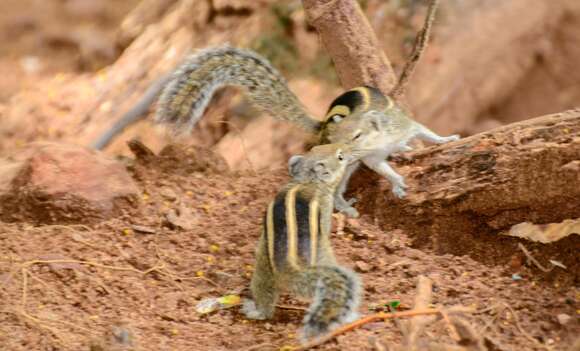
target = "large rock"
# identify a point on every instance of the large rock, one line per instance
(61, 183)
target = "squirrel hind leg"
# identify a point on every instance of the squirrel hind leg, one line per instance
(252, 311)
(263, 288)
(426, 134)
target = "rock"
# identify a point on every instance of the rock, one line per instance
(168, 193)
(61, 183)
(362, 266)
(563, 318)
(182, 218)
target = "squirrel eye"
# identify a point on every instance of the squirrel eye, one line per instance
(358, 135)
(340, 157)
(336, 118)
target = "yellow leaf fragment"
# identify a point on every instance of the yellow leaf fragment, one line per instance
(229, 300)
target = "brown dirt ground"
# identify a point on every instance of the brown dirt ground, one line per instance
(74, 306)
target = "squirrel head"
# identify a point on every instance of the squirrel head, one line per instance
(361, 131)
(353, 104)
(323, 163)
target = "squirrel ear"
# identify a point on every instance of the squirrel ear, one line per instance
(294, 164)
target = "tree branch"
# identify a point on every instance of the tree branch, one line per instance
(351, 42)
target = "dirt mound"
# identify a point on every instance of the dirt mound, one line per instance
(60, 183)
(133, 282)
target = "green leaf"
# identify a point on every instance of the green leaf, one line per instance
(394, 304)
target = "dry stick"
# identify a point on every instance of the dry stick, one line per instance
(377, 344)
(468, 334)
(365, 320)
(291, 308)
(452, 330)
(166, 271)
(259, 346)
(421, 43)
(422, 301)
(22, 309)
(522, 330)
(25, 273)
(533, 260)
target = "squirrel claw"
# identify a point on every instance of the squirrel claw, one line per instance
(350, 212)
(252, 312)
(352, 201)
(399, 190)
(453, 137)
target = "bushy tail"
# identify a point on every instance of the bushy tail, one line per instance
(187, 95)
(336, 295)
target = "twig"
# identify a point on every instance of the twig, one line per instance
(466, 335)
(365, 320)
(533, 260)
(422, 300)
(291, 308)
(377, 344)
(259, 346)
(24, 296)
(522, 330)
(452, 330)
(63, 227)
(421, 43)
(22, 310)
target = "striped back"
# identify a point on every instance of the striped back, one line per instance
(292, 229)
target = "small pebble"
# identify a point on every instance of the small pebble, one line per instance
(362, 266)
(563, 318)
(516, 277)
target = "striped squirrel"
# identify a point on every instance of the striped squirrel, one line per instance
(188, 93)
(375, 127)
(294, 253)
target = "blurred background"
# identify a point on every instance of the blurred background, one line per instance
(70, 68)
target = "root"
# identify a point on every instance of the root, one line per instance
(533, 260)
(42, 323)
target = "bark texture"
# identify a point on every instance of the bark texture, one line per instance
(351, 42)
(482, 185)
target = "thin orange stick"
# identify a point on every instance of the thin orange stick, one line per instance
(360, 322)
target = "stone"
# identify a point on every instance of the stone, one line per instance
(362, 266)
(61, 183)
(563, 318)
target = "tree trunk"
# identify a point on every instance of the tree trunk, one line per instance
(464, 193)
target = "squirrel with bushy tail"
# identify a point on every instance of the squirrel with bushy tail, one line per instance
(372, 123)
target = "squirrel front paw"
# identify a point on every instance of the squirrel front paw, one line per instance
(399, 187)
(252, 312)
(350, 212)
(451, 138)
(345, 206)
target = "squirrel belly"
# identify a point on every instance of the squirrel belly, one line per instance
(187, 95)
